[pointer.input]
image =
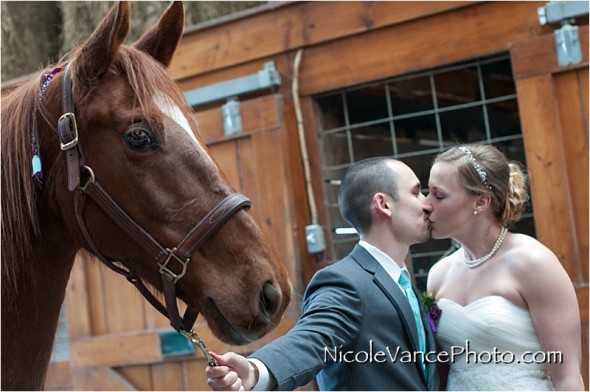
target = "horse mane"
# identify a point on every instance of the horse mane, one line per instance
(20, 192)
(20, 219)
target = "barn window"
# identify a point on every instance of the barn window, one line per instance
(413, 118)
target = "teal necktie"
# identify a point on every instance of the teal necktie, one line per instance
(404, 281)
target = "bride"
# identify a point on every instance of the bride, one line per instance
(510, 317)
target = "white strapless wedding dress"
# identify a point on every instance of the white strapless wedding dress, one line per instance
(491, 332)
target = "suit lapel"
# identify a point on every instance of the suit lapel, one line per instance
(391, 290)
(399, 300)
(395, 295)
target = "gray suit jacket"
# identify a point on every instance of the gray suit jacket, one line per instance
(357, 332)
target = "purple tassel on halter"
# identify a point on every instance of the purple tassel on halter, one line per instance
(37, 173)
(47, 79)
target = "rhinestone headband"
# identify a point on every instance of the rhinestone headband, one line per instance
(480, 172)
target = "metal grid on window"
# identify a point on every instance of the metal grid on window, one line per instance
(413, 118)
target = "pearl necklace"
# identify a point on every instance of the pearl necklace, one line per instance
(483, 259)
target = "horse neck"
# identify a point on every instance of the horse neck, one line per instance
(31, 306)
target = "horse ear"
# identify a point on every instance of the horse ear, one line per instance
(98, 51)
(161, 40)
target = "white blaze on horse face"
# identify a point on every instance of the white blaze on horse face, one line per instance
(169, 109)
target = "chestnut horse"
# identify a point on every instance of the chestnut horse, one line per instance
(100, 153)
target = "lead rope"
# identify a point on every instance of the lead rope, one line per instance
(199, 343)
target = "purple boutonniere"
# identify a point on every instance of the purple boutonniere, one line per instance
(433, 312)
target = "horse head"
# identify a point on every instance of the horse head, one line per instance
(137, 137)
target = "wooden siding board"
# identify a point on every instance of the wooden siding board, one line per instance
(77, 301)
(168, 377)
(568, 98)
(59, 377)
(584, 85)
(327, 21)
(292, 26)
(95, 271)
(273, 195)
(139, 377)
(123, 304)
(100, 379)
(428, 42)
(153, 318)
(225, 154)
(248, 177)
(116, 350)
(546, 164)
(243, 40)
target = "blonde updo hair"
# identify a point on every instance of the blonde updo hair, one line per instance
(507, 180)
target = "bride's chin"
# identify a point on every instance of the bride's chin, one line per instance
(436, 235)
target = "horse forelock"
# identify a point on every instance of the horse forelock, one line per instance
(148, 79)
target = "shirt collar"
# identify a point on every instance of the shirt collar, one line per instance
(388, 264)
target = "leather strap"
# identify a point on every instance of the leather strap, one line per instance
(211, 223)
(67, 131)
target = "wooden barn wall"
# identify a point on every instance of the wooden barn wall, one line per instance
(553, 103)
(113, 330)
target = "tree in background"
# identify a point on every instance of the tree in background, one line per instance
(38, 33)
(31, 34)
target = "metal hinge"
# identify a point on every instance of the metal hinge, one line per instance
(567, 44)
(232, 118)
(567, 38)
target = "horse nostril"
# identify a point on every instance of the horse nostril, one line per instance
(270, 298)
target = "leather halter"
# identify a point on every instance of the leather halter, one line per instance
(164, 257)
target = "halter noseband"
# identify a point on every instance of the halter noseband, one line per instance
(180, 254)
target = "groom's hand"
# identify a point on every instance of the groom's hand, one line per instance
(233, 373)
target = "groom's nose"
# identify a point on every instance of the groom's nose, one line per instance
(426, 206)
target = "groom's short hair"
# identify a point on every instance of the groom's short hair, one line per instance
(360, 183)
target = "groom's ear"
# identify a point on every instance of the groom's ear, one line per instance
(382, 204)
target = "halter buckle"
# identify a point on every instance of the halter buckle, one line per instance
(172, 255)
(71, 125)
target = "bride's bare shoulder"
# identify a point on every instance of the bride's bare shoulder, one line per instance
(527, 252)
(439, 270)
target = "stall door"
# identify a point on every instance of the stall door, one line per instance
(553, 105)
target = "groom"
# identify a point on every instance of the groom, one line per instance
(358, 327)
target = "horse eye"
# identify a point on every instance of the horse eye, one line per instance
(141, 138)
